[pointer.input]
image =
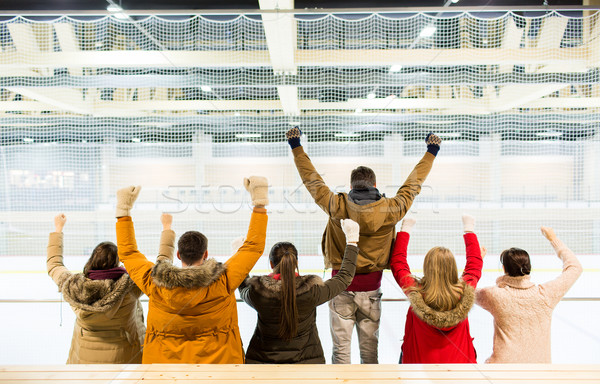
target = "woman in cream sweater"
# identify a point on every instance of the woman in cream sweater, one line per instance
(522, 310)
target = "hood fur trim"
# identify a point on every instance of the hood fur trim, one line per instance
(443, 319)
(267, 286)
(95, 295)
(166, 275)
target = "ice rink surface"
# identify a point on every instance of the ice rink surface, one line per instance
(40, 332)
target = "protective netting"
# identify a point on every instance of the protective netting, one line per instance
(187, 106)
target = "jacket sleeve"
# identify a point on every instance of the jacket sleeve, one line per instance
(399, 263)
(136, 264)
(241, 263)
(472, 272)
(341, 280)
(329, 202)
(401, 203)
(244, 290)
(555, 290)
(166, 248)
(54, 260)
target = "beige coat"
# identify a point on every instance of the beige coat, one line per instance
(109, 327)
(377, 220)
(523, 311)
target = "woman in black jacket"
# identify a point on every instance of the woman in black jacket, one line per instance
(286, 303)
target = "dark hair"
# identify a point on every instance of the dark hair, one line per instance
(362, 178)
(516, 262)
(192, 246)
(104, 256)
(284, 258)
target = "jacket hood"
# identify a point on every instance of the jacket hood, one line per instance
(443, 319)
(166, 275)
(371, 217)
(518, 282)
(95, 295)
(267, 286)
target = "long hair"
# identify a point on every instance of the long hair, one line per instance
(284, 258)
(440, 287)
(104, 256)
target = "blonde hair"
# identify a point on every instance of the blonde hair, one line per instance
(440, 286)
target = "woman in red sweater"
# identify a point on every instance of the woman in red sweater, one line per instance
(437, 328)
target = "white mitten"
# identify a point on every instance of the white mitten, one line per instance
(258, 187)
(237, 243)
(125, 199)
(351, 230)
(468, 223)
(407, 224)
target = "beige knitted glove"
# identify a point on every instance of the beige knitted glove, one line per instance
(407, 224)
(468, 223)
(258, 187)
(59, 222)
(125, 199)
(351, 230)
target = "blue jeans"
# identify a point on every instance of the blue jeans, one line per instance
(360, 309)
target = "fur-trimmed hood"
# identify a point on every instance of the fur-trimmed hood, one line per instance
(167, 275)
(443, 319)
(517, 282)
(95, 295)
(269, 287)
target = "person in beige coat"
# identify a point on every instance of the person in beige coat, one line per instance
(522, 310)
(109, 327)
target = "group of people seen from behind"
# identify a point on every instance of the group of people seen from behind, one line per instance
(192, 310)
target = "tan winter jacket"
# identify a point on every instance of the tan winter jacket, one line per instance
(523, 311)
(109, 328)
(377, 220)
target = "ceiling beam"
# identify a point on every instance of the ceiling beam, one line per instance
(317, 58)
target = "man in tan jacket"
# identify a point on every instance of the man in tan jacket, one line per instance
(377, 215)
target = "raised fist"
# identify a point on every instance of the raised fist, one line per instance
(125, 199)
(351, 230)
(59, 222)
(166, 219)
(258, 187)
(407, 224)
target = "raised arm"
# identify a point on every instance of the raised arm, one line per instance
(472, 272)
(555, 289)
(166, 249)
(329, 202)
(136, 264)
(343, 278)
(242, 262)
(54, 260)
(398, 259)
(401, 203)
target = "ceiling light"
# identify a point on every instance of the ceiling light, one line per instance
(549, 134)
(371, 96)
(237, 114)
(114, 8)
(294, 123)
(347, 134)
(449, 134)
(247, 135)
(28, 140)
(428, 31)
(358, 110)
(136, 140)
(454, 1)
(396, 68)
(121, 16)
(84, 141)
(206, 88)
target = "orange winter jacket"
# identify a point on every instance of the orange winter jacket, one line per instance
(192, 313)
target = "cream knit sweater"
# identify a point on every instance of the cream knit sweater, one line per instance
(523, 311)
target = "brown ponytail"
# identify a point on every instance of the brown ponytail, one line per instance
(284, 258)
